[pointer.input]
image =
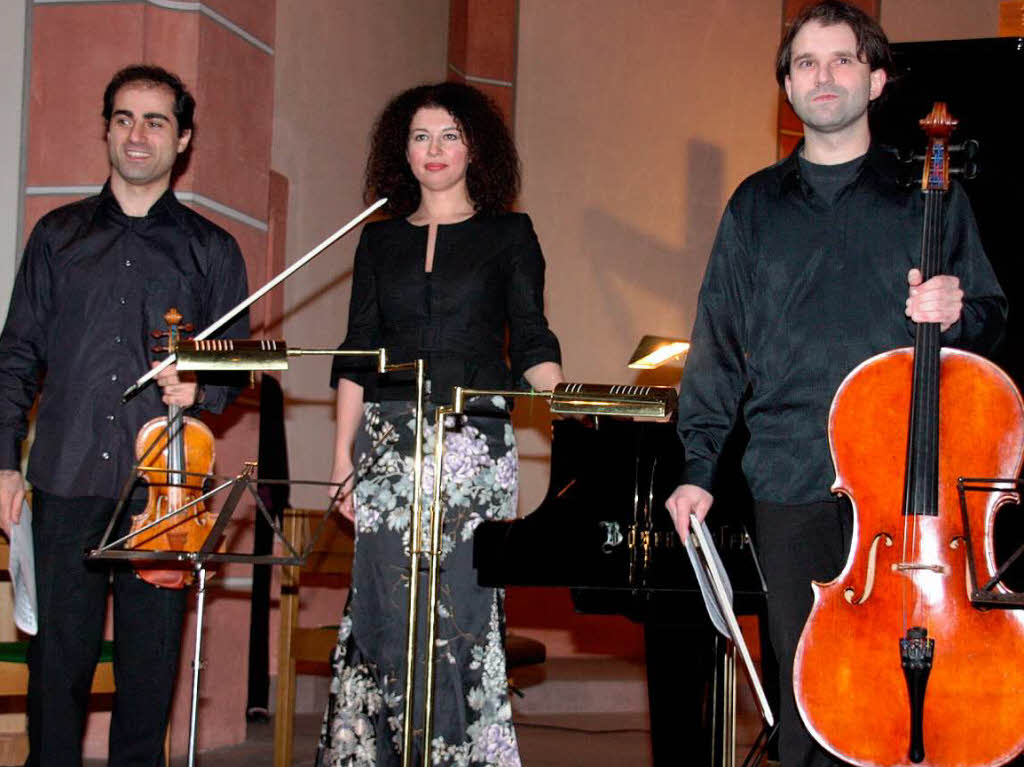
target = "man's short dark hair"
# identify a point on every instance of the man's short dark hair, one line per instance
(872, 44)
(144, 74)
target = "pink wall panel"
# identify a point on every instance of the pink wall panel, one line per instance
(254, 16)
(66, 136)
(268, 316)
(482, 43)
(491, 39)
(235, 89)
(458, 24)
(169, 41)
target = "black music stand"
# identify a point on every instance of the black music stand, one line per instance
(237, 486)
(986, 595)
(717, 593)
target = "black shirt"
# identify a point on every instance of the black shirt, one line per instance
(828, 180)
(92, 285)
(796, 294)
(488, 274)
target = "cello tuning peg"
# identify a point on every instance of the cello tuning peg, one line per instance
(970, 148)
(159, 334)
(968, 170)
(161, 349)
(901, 155)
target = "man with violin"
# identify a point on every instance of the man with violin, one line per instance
(95, 280)
(812, 272)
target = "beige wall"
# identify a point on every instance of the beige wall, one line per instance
(13, 19)
(907, 21)
(337, 65)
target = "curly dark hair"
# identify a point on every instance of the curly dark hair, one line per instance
(872, 44)
(184, 105)
(492, 178)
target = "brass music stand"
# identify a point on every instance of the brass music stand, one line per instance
(564, 399)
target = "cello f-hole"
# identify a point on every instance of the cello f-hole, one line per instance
(869, 578)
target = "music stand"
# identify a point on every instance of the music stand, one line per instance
(717, 593)
(229, 354)
(986, 594)
(237, 486)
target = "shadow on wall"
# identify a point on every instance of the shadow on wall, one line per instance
(323, 289)
(642, 286)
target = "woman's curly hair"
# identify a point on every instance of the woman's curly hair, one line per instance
(492, 177)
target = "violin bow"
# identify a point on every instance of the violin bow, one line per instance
(136, 387)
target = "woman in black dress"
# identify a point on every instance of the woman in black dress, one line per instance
(450, 278)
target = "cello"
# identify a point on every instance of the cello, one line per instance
(896, 665)
(175, 455)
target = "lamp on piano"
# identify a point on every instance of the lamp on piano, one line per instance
(653, 351)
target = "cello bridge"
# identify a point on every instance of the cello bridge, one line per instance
(902, 567)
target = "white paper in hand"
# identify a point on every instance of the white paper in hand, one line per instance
(23, 573)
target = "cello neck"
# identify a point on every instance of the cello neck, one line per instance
(920, 496)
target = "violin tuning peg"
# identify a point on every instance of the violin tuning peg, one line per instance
(159, 334)
(161, 349)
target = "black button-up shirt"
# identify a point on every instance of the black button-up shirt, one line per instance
(92, 285)
(488, 276)
(798, 291)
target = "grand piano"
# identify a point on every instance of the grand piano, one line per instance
(603, 532)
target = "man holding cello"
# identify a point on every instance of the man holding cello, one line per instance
(814, 270)
(95, 280)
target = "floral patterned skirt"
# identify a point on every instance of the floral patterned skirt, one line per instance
(472, 722)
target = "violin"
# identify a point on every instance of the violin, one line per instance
(896, 665)
(175, 456)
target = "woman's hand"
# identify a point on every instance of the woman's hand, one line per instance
(344, 475)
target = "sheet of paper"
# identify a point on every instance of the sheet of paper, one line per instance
(23, 573)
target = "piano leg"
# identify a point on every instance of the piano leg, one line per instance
(681, 661)
(691, 691)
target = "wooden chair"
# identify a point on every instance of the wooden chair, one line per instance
(14, 680)
(306, 649)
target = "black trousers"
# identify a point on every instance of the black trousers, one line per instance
(798, 544)
(63, 655)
